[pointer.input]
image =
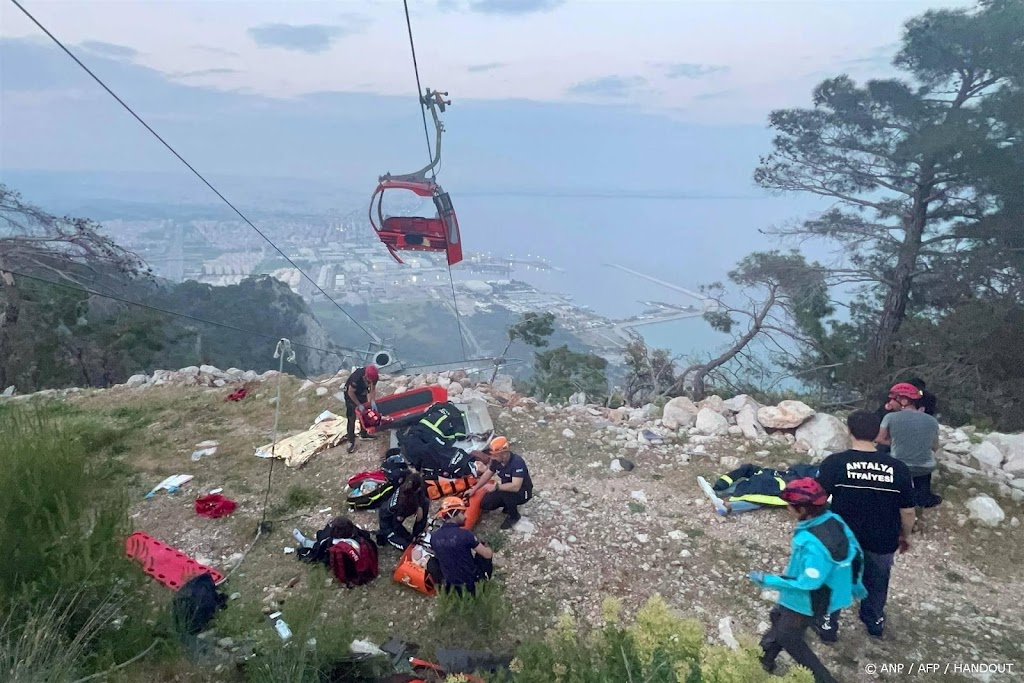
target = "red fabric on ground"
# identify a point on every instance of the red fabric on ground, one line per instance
(214, 506)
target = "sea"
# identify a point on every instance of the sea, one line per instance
(686, 241)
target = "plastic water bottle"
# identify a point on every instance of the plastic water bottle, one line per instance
(282, 629)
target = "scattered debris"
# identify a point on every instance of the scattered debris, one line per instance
(171, 484)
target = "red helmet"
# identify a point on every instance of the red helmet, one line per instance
(804, 491)
(905, 390)
(371, 373)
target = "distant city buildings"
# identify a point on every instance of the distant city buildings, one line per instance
(345, 259)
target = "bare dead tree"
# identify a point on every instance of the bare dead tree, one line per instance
(70, 250)
(784, 300)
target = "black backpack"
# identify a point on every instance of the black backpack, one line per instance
(195, 603)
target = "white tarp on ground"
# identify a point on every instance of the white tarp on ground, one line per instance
(296, 450)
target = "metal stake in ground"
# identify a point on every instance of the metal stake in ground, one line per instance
(283, 351)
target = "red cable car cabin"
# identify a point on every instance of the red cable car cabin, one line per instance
(414, 233)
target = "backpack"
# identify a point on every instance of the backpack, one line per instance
(352, 567)
(369, 495)
(195, 603)
(412, 569)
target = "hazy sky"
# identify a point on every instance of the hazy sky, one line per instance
(715, 61)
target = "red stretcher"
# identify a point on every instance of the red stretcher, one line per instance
(167, 565)
(406, 404)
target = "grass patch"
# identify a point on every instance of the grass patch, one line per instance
(954, 577)
(659, 647)
(694, 533)
(464, 620)
(135, 417)
(63, 534)
(495, 540)
(636, 508)
(298, 497)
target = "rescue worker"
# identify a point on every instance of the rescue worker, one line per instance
(360, 389)
(428, 443)
(823, 575)
(874, 494)
(514, 486)
(463, 559)
(409, 501)
(914, 437)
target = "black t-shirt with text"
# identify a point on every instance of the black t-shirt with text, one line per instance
(515, 467)
(357, 380)
(868, 490)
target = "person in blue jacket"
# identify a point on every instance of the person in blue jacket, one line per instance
(824, 575)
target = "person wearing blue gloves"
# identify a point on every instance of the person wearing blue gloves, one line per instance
(824, 575)
(360, 389)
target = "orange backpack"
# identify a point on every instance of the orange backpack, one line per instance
(412, 571)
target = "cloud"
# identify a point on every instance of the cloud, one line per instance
(309, 38)
(607, 86)
(109, 49)
(513, 6)
(215, 50)
(716, 94)
(489, 66)
(685, 70)
(204, 72)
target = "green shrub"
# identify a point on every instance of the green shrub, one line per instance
(659, 647)
(469, 621)
(63, 533)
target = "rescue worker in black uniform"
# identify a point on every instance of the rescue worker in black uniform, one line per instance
(428, 443)
(408, 501)
(360, 389)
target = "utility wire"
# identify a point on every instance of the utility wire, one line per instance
(191, 168)
(419, 88)
(93, 292)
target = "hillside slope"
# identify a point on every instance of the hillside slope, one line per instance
(596, 532)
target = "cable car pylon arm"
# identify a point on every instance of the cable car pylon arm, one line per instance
(434, 101)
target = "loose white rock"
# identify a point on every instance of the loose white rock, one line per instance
(711, 423)
(985, 510)
(786, 415)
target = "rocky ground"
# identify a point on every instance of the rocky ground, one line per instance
(597, 526)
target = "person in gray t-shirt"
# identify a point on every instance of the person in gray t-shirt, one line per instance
(914, 436)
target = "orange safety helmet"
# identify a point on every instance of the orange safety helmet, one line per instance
(451, 506)
(498, 444)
